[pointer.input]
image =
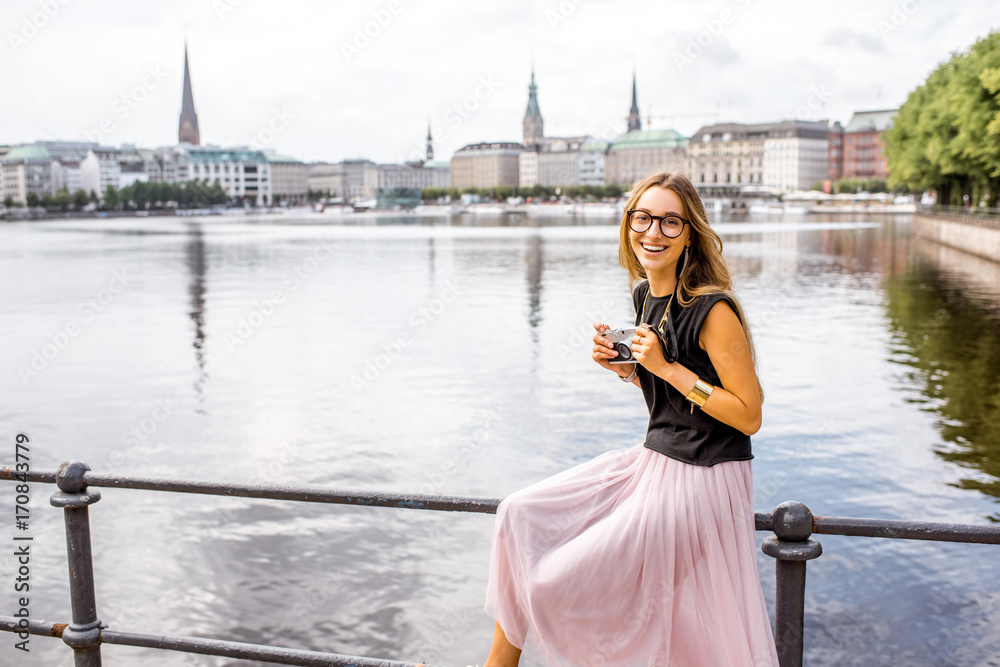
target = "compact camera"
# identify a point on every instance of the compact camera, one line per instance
(622, 339)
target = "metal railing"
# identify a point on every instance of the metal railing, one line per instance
(791, 546)
(977, 215)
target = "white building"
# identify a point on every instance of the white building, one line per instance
(27, 170)
(66, 175)
(419, 175)
(326, 178)
(66, 159)
(243, 173)
(796, 155)
(100, 170)
(528, 167)
(486, 165)
(591, 168)
(289, 179)
(132, 165)
(553, 161)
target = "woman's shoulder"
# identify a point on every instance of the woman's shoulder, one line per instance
(705, 301)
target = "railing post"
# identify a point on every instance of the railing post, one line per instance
(792, 547)
(84, 634)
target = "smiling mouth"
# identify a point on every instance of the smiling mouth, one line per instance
(652, 248)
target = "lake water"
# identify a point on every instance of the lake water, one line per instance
(434, 355)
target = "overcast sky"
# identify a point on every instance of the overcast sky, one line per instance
(296, 75)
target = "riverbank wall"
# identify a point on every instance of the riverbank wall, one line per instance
(974, 236)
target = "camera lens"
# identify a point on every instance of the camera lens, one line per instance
(624, 351)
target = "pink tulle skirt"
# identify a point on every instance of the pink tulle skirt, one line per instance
(632, 558)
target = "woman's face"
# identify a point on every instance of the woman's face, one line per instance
(656, 252)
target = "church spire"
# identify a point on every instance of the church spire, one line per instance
(634, 122)
(533, 124)
(430, 146)
(188, 131)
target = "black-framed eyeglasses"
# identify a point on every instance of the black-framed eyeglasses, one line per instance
(671, 226)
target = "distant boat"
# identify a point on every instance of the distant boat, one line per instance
(446, 209)
(363, 205)
(487, 209)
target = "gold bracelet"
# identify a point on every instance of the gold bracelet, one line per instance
(699, 393)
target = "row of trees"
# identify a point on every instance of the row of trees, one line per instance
(143, 195)
(502, 192)
(852, 185)
(60, 201)
(137, 196)
(946, 136)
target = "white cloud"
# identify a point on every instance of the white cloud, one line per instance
(431, 55)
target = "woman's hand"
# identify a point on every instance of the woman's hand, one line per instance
(604, 351)
(647, 351)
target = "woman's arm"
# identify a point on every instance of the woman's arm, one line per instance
(737, 402)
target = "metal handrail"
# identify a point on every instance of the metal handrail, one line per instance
(976, 215)
(791, 546)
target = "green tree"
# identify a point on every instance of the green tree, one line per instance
(111, 198)
(946, 136)
(32, 200)
(79, 199)
(8, 201)
(62, 199)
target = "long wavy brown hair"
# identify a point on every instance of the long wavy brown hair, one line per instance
(706, 270)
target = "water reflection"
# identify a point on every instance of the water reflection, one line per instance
(197, 288)
(534, 261)
(944, 310)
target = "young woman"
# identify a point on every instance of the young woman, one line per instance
(646, 555)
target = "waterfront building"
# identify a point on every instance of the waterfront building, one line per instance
(641, 152)
(66, 175)
(100, 170)
(858, 150)
(411, 175)
(158, 165)
(592, 161)
(27, 170)
(326, 178)
(66, 159)
(3, 153)
(527, 167)
(728, 154)
(795, 154)
(486, 165)
(243, 173)
(289, 179)
(553, 162)
(353, 173)
(188, 131)
(132, 166)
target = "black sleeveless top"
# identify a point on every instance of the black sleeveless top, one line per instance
(674, 431)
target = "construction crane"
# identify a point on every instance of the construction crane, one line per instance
(672, 116)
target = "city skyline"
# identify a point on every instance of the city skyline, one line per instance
(346, 93)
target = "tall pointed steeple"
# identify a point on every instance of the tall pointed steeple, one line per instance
(533, 125)
(188, 131)
(430, 146)
(634, 122)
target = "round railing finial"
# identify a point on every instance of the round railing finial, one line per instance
(70, 476)
(792, 521)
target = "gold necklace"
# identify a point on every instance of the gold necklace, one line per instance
(666, 314)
